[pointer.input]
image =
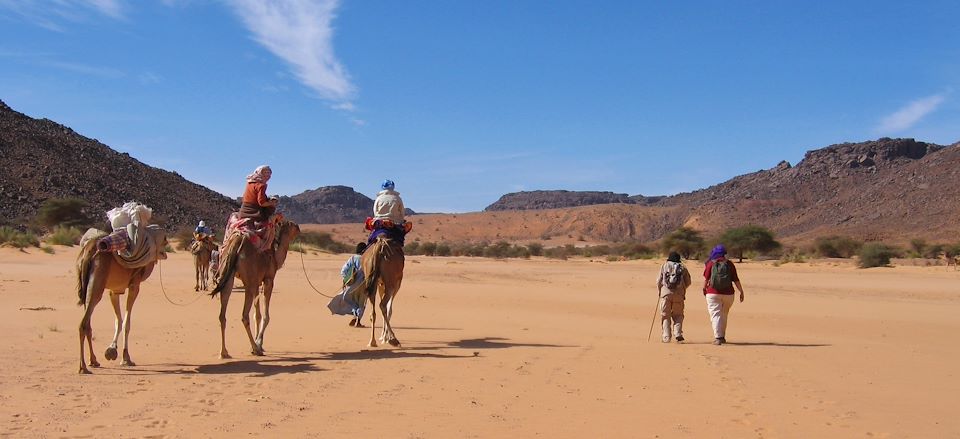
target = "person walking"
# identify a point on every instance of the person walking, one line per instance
(720, 276)
(672, 286)
(351, 300)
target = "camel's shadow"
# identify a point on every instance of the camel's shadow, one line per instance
(498, 343)
(261, 368)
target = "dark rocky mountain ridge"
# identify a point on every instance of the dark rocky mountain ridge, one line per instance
(42, 159)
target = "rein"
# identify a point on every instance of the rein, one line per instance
(160, 274)
(304, 266)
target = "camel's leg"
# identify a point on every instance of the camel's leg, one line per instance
(257, 315)
(373, 319)
(262, 326)
(250, 293)
(387, 307)
(111, 353)
(132, 294)
(94, 294)
(196, 272)
(224, 300)
(204, 275)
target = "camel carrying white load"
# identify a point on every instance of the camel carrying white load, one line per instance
(136, 241)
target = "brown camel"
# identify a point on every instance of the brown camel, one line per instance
(241, 260)
(382, 264)
(201, 262)
(97, 271)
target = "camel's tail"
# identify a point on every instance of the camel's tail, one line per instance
(88, 249)
(228, 267)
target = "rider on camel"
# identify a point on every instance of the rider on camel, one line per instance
(388, 215)
(255, 202)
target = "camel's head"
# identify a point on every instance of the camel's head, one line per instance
(289, 231)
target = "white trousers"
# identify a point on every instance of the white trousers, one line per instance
(718, 305)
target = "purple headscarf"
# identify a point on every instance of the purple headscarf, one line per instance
(717, 251)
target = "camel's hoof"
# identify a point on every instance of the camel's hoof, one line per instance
(196, 288)
(372, 344)
(394, 342)
(85, 371)
(110, 354)
(94, 363)
(128, 363)
(225, 356)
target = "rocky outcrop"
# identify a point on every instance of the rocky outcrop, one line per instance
(535, 200)
(42, 159)
(329, 205)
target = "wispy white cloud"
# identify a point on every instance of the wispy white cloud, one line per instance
(300, 33)
(51, 15)
(149, 78)
(910, 114)
(100, 72)
(110, 8)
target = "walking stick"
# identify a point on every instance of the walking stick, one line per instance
(655, 312)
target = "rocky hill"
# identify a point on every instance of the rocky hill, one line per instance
(42, 159)
(538, 200)
(875, 190)
(329, 205)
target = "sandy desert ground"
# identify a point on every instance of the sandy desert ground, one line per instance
(491, 348)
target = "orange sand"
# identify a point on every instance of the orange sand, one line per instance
(493, 348)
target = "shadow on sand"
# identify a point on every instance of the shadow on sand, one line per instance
(783, 345)
(498, 343)
(261, 367)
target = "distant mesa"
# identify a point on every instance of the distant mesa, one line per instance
(558, 199)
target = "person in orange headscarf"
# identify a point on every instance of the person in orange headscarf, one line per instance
(255, 202)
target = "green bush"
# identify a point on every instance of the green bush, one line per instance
(837, 246)
(18, 239)
(63, 211)
(749, 238)
(685, 241)
(62, 235)
(324, 241)
(875, 254)
(535, 249)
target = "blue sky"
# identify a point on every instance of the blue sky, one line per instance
(460, 102)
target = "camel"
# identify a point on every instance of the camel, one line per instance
(97, 271)
(382, 264)
(241, 260)
(201, 262)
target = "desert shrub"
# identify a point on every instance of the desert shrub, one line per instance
(556, 253)
(749, 238)
(297, 247)
(412, 248)
(535, 249)
(951, 250)
(876, 254)
(443, 249)
(324, 241)
(18, 239)
(428, 248)
(183, 236)
(63, 211)
(837, 246)
(48, 250)
(792, 255)
(918, 247)
(685, 241)
(62, 235)
(636, 251)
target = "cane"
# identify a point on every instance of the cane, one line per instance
(655, 312)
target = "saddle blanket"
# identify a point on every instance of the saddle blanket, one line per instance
(261, 235)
